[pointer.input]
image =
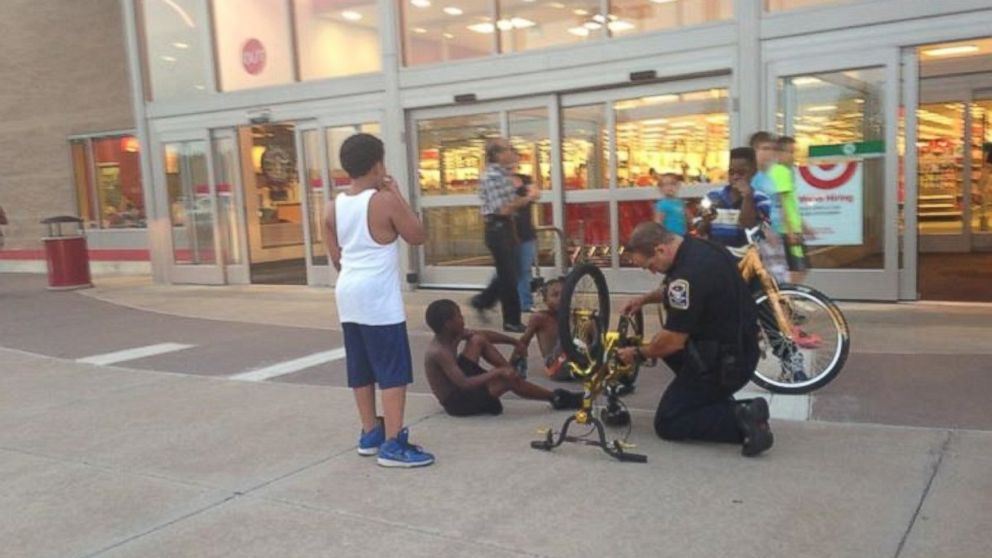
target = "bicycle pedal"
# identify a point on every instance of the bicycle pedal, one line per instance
(626, 445)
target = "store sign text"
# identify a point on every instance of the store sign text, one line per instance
(830, 200)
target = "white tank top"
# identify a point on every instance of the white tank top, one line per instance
(368, 288)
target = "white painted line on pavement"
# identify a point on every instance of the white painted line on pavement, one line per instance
(135, 353)
(289, 366)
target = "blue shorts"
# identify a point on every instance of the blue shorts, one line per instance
(377, 354)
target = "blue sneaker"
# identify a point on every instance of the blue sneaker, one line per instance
(399, 452)
(369, 442)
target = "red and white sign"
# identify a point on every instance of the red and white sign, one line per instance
(253, 56)
(831, 202)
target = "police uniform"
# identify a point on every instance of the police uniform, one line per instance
(706, 299)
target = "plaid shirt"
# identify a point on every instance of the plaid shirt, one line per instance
(496, 189)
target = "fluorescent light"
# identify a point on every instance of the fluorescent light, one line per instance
(580, 12)
(806, 81)
(180, 45)
(662, 1)
(522, 23)
(351, 16)
(169, 58)
(652, 121)
(822, 108)
(453, 11)
(420, 30)
(557, 5)
(421, 3)
(951, 50)
(579, 31)
(661, 99)
(620, 26)
(591, 25)
(448, 36)
(200, 87)
(482, 27)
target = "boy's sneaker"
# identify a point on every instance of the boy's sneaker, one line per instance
(399, 452)
(564, 399)
(752, 416)
(369, 442)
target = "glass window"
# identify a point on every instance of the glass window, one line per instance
(81, 172)
(455, 237)
(176, 57)
(585, 144)
(190, 206)
(453, 152)
(435, 31)
(527, 25)
(227, 171)
(782, 5)
(634, 16)
(337, 38)
(940, 131)
(115, 199)
(587, 232)
(824, 112)
(254, 46)
(631, 214)
(313, 181)
(685, 134)
(529, 135)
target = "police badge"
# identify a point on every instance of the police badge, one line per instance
(678, 294)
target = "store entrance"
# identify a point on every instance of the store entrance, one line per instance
(273, 205)
(954, 141)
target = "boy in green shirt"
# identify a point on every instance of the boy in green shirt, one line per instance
(791, 221)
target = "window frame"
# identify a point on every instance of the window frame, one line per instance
(96, 202)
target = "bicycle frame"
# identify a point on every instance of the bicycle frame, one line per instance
(750, 267)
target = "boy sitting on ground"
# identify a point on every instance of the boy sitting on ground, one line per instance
(544, 326)
(461, 385)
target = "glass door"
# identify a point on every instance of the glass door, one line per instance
(191, 198)
(448, 150)
(843, 112)
(230, 205)
(615, 148)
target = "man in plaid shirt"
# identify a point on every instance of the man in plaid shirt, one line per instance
(499, 203)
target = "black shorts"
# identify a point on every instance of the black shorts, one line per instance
(475, 401)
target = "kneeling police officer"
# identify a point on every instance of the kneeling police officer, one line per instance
(710, 340)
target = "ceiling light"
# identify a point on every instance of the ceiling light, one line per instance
(351, 16)
(580, 12)
(599, 17)
(453, 11)
(806, 81)
(822, 108)
(448, 36)
(419, 30)
(661, 99)
(579, 31)
(557, 5)
(482, 27)
(180, 45)
(662, 1)
(951, 50)
(421, 3)
(591, 25)
(200, 87)
(651, 121)
(522, 23)
(620, 26)
(169, 58)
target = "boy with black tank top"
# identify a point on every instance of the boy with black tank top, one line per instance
(362, 229)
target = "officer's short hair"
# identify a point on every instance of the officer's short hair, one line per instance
(647, 236)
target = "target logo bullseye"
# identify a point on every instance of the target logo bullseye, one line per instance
(828, 176)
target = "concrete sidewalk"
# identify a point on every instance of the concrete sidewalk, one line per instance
(101, 461)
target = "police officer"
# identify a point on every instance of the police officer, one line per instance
(710, 340)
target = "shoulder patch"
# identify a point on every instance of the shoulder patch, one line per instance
(678, 294)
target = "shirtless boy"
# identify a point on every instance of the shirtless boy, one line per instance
(461, 384)
(544, 326)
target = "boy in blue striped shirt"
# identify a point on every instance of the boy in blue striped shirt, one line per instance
(737, 206)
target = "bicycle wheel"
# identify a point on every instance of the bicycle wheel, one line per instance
(584, 315)
(813, 353)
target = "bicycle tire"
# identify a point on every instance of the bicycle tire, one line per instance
(583, 357)
(770, 330)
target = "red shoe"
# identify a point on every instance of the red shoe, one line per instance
(804, 340)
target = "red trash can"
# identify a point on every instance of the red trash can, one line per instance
(66, 254)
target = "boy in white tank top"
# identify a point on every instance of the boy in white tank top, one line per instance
(362, 227)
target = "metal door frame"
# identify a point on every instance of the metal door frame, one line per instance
(877, 284)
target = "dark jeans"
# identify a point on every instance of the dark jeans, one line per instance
(501, 241)
(693, 408)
